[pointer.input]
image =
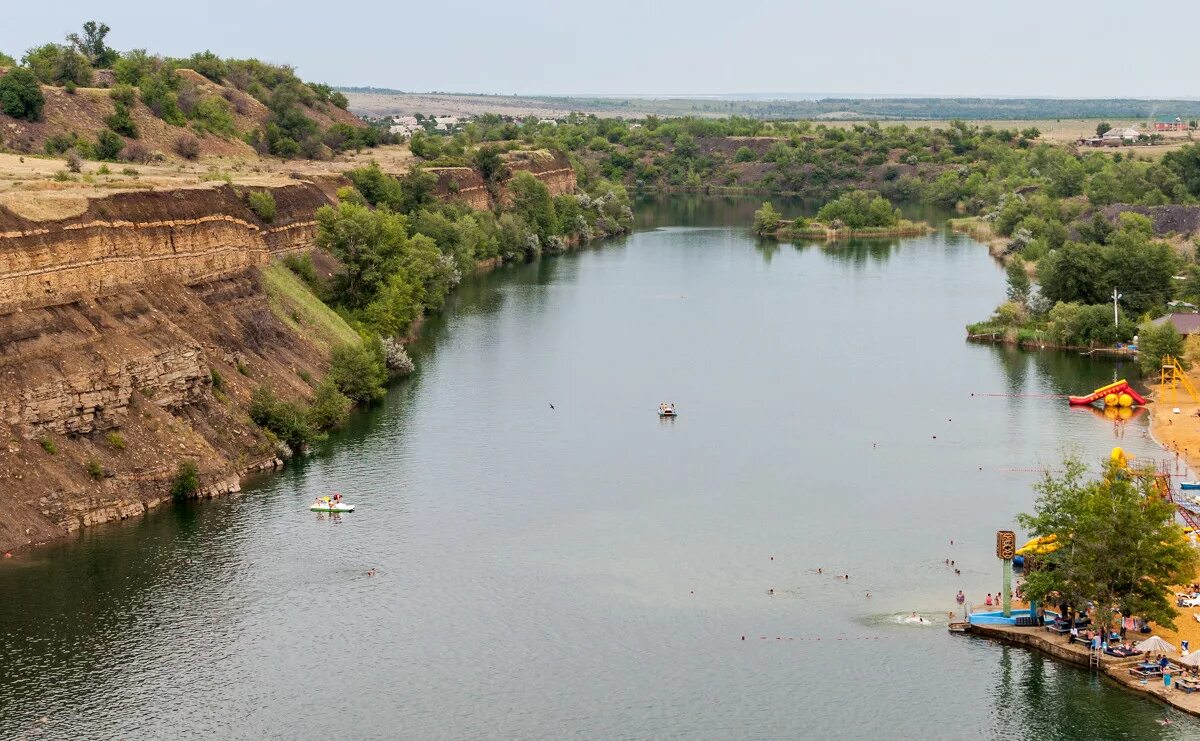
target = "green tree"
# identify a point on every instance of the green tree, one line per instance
(1185, 163)
(1103, 128)
(859, 209)
(1118, 545)
(1019, 284)
(366, 242)
(7, 61)
(91, 45)
(1155, 341)
(20, 95)
(489, 163)
(359, 370)
(766, 219)
(531, 201)
(54, 64)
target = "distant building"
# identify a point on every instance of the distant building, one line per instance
(1167, 124)
(1125, 134)
(548, 121)
(1186, 324)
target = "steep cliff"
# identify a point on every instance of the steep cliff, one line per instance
(114, 325)
(134, 330)
(465, 185)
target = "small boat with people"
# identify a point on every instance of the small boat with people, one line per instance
(331, 504)
(666, 409)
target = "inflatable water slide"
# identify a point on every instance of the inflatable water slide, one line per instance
(1115, 394)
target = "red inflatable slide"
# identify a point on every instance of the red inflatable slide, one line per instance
(1117, 389)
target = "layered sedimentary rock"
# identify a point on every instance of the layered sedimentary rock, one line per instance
(134, 331)
(466, 186)
(134, 239)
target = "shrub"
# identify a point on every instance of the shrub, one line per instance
(330, 407)
(108, 145)
(48, 445)
(103, 170)
(186, 482)
(74, 161)
(20, 95)
(122, 95)
(137, 152)
(94, 469)
(218, 382)
(187, 146)
(122, 123)
(131, 171)
(213, 114)
(744, 154)
(286, 420)
(766, 219)
(359, 370)
(302, 266)
(116, 440)
(59, 143)
(262, 203)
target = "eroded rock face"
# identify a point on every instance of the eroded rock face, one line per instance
(98, 399)
(131, 240)
(465, 185)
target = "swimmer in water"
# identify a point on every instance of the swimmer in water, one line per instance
(770, 591)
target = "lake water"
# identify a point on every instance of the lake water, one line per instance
(589, 570)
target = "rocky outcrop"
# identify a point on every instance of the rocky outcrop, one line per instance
(130, 240)
(102, 398)
(466, 186)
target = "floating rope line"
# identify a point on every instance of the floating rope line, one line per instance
(1031, 396)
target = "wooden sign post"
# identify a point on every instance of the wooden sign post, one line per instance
(1006, 548)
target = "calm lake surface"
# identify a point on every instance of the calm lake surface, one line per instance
(589, 571)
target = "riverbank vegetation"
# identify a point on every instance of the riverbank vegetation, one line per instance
(1083, 222)
(853, 214)
(1119, 548)
(399, 251)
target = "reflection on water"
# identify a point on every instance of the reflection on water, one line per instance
(584, 571)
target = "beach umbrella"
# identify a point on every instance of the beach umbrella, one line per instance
(1155, 645)
(1191, 660)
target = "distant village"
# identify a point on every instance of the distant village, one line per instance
(1150, 133)
(405, 126)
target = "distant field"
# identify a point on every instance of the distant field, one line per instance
(384, 102)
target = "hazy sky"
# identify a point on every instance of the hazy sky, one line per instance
(935, 47)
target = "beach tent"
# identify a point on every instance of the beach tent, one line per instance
(1155, 645)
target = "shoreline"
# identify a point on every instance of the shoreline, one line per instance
(1111, 667)
(256, 470)
(1168, 436)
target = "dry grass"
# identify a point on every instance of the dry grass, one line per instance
(29, 188)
